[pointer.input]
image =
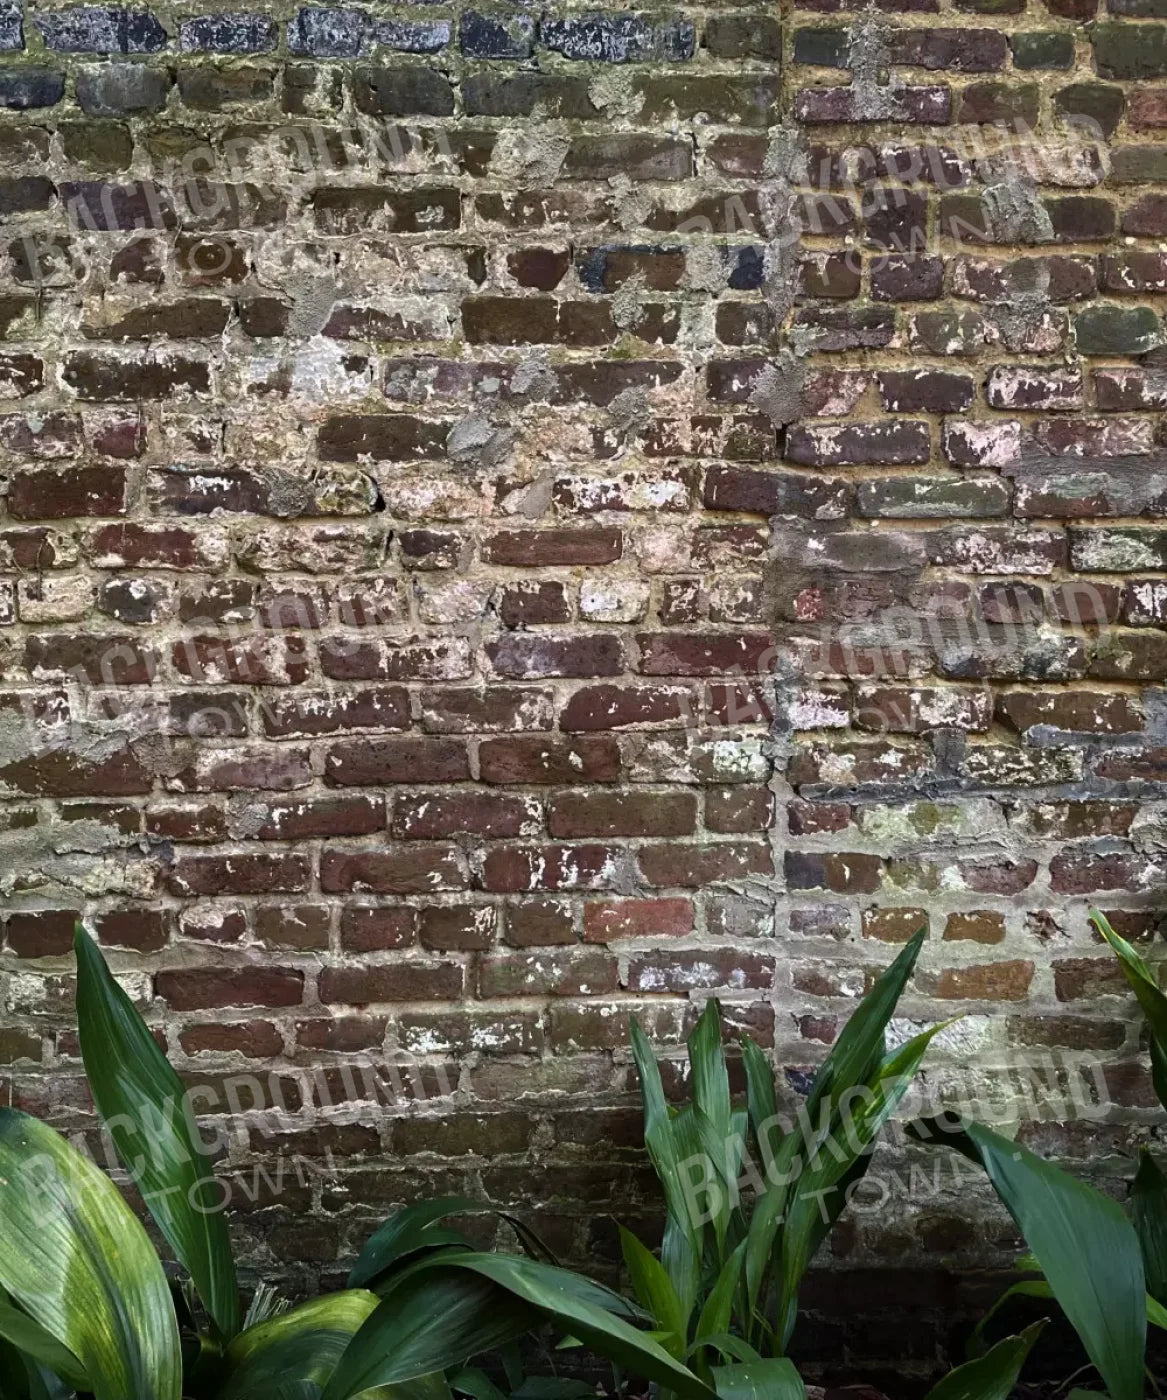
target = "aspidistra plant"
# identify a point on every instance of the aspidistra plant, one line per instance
(727, 1282)
(86, 1307)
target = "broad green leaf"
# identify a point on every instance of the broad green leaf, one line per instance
(146, 1109)
(1151, 1000)
(404, 1233)
(759, 1380)
(441, 1319)
(477, 1384)
(1156, 1313)
(303, 1344)
(654, 1292)
(76, 1259)
(414, 1228)
(29, 1337)
(1149, 1214)
(732, 1347)
(1028, 1288)
(577, 1307)
(991, 1376)
(1086, 1248)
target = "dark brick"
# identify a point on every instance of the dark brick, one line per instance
(227, 32)
(1042, 49)
(1130, 50)
(120, 88)
(327, 33)
(496, 35)
(22, 88)
(101, 29)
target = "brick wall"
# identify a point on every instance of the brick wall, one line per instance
(515, 518)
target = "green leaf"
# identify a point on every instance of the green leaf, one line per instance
(1149, 1215)
(578, 1307)
(992, 1376)
(718, 1310)
(1028, 1288)
(762, 1100)
(441, 1319)
(32, 1339)
(1151, 1000)
(710, 1076)
(146, 1109)
(76, 1259)
(859, 1047)
(759, 1380)
(404, 1233)
(301, 1345)
(477, 1384)
(660, 1141)
(854, 1058)
(654, 1292)
(821, 1191)
(554, 1388)
(414, 1229)
(1086, 1248)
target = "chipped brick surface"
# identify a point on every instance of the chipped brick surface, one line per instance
(514, 520)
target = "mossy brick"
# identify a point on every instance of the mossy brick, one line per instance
(24, 88)
(1081, 218)
(923, 497)
(1117, 330)
(25, 194)
(503, 93)
(210, 88)
(1094, 108)
(116, 89)
(97, 145)
(999, 104)
(404, 90)
(1130, 50)
(1138, 165)
(1042, 48)
(736, 101)
(822, 47)
(743, 36)
(1138, 9)
(228, 33)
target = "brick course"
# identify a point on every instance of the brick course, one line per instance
(518, 520)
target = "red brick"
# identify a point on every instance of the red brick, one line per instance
(608, 921)
(197, 989)
(532, 759)
(408, 870)
(622, 814)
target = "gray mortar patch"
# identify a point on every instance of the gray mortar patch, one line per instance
(475, 441)
(777, 391)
